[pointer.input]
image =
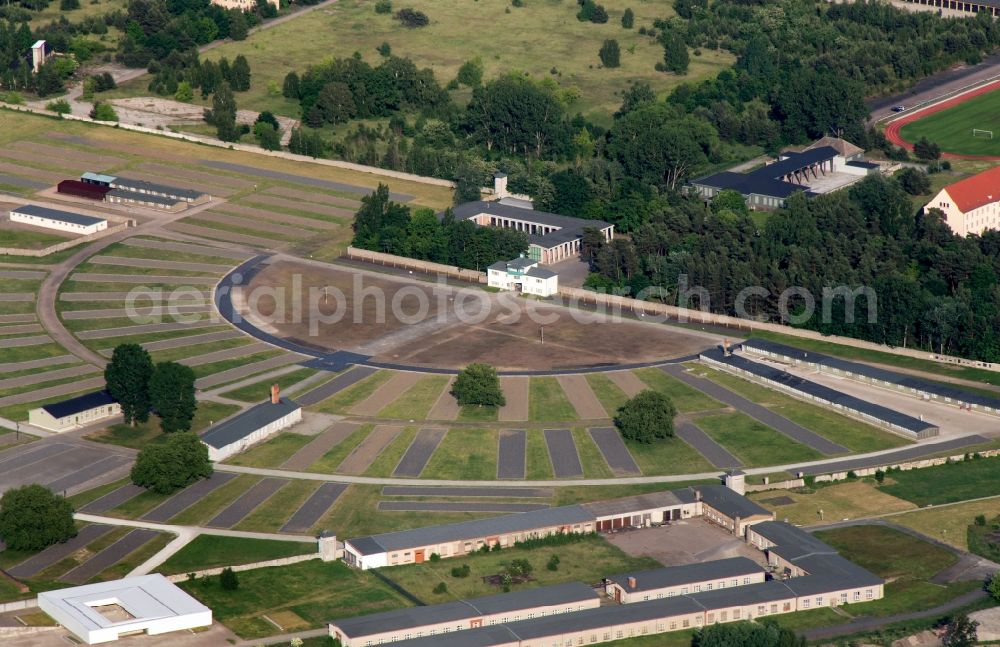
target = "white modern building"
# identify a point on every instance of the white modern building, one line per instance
(972, 205)
(106, 611)
(258, 423)
(76, 223)
(76, 412)
(524, 275)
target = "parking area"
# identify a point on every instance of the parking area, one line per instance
(684, 542)
(64, 466)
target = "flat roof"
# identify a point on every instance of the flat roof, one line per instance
(245, 423)
(803, 385)
(797, 161)
(56, 214)
(98, 177)
(750, 184)
(132, 183)
(730, 503)
(79, 404)
(412, 617)
(660, 578)
(145, 597)
(783, 533)
(874, 373)
(638, 502)
(568, 227)
(143, 197)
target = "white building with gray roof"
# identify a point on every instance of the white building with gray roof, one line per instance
(258, 423)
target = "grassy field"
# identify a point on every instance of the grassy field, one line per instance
(215, 501)
(591, 458)
(386, 461)
(586, 560)
(315, 592)
(149, 432)
(607, 392)
(856, 436)
(273, 513)
(752, 442)
(547, 401)
(210, 551)
(538, 465)
(474, 413)
(333, 458)
(466, 454)
(260, 391)
(848, 500)
(684, 397)
(417, 401)
(542, 39)
(670, 456)
(350, 396)
(273, 452)
(951, 129)
(28, 239)
(948, 523)
(946, 483)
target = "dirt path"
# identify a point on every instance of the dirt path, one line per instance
(516, 391)
(628, 382)
(582, 397)
(446, 407)
(320, 445)
(365, 454)
(386, 394)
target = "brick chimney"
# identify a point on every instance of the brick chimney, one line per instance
(631, 582)
(275, 394)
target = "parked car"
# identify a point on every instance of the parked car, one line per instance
(898, 108)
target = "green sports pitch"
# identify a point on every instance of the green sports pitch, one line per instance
(951, 129)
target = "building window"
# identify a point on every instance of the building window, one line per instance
(869, 594)
(736, 614)
(686, 623)
(819, 601)
(857, 595)
(805, 603)
(746, 580)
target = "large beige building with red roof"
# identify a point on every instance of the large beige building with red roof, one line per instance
(972, 205)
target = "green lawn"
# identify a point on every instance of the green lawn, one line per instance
(607, 392)
(538, 466)
(472, 413)
(547, 401)
(591, 458)
(350, 396)
(273, 452)
(210, 551)
(331, 460)
(260, 391)
(273, 513)
(947, 483)
(29, 239)
(586, 560)
(416, 402)
(668, 456)
(386, 462)
(142, 434)
(753, 443)
(466, 454)
(853, 434)
(684, 397)
(316, 592)
(983, 540)
(215, 501)
(226, 364)
(951, 129)
(128, 251)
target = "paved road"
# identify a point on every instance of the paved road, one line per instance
(783, 425)
(888, 458)
(705, 445)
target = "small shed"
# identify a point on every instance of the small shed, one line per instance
(75, 412)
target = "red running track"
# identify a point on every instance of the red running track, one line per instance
(892, 130)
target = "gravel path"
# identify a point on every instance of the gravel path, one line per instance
(23, 182)
(299, 205)
(891, 458)
(516, 391)
(187, 497)
(21, 329)
(143, 279)
(11, 367)
(273, 216)
(110, 556)
(457, 506)
(28, 275)
(253, 225)
(320, 445)
(460, 491)
(53, 391)
(102, 468)
(142, 329)
(582, 397)
(156, 263)
(511, 454)
(386, 394)
(628, 382)
(198, 176)
(45, 376)
(783, 425)
(312, 196)
(142, 311)
(204, 338)
(247, 370)
(705, 445)
(563, 454)
(93, 296)
(336, 385)
(228, 353)
(419, 452)
(314, 508)
(113, 499)
(298, 179)
(17, 296)
(365, 454)
(186, 248)
(57, 552)
(616, 454)
(446, 407)
(218, 234)
(247, 502)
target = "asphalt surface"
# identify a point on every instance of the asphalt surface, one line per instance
(314, 508)
(247, 503)
(457, 491)
(98, 468)
(898, 456)
(246, 370)
(705, 445)
(457, 506)
(511, 454)
(783, 425)
(562, 453)
(298, 179)
(610, 442)
(113, 499)
(53, 554)
(187, 497)
(320, 445)
(62, 466)
(419, 452)
(336, 385)
(110, 556)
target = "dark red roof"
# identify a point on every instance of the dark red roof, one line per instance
(975, 191)
(82, 189)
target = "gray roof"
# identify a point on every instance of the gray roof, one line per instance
(482, 637)
(860, 164)
(830, 573)
(767, 179)
(786, 535)
(243, 424)
(56, 214)
(759, 593)
(126, 194)
(730, 503)
(158, 188)
(874, 373)
(500, 266)
(521, 263)
(631, 504)
(570, 228)
(802, 385)
(540, 273)
(413, 617)
(443, 534)
(79, 404)
(660, 578)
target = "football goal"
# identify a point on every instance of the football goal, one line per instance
(982, 134)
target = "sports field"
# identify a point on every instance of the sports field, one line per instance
(951, 128)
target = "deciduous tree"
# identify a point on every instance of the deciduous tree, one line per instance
(647, 417)
(32, 517)
(478, 384)
(127, 380)
(171, 392)
(174, 464)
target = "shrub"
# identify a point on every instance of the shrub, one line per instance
(435, 557)
(60, 106)
(228, 580)
(412, 18)
(461, 571)
(471, 73)
(926, 150)
(517, 3)
(385, 49)
(610, 53)
(980, 519)
(628, 18)
(103, 112)
(553, 564)
(383, 6)
(69, 5)
(880, 476)
(440, 588)
(852, 475)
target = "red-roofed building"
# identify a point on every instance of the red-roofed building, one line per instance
(972, 205)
